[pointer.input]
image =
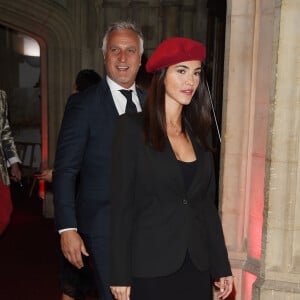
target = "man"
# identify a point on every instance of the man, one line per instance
(84, 149)
(75, 283)
(8, 157)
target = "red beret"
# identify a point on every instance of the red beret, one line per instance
(175, 50)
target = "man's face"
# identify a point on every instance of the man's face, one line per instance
(122, 58)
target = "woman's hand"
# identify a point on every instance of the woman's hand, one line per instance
(15, 172)
(121, 292)
(225, 284)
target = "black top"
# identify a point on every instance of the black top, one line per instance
(188, 170)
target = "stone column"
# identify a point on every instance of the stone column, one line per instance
(199, 19)
(170, 18)
(187, 19)
(247, 96)
(260, 148)
(237, 135)
(147, 16)
(280, 268)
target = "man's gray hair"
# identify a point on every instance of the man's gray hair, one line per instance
(122, 25)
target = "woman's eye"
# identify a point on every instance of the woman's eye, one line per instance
(198, 73)
(181, 71)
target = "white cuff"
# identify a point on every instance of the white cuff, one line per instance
(13, 160)
(66, 229)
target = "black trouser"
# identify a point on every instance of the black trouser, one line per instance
(187, 283)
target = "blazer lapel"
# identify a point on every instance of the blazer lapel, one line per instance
(141, 95)
(107, 99)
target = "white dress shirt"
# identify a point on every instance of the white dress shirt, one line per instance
(119, 99)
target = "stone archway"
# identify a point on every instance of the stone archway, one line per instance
(52, 27)
(247, 96)
(260, 147)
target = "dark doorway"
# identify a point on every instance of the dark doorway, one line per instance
(20, 78)
(215, 43)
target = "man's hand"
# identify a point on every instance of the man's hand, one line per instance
(45, 175)
(73, 247)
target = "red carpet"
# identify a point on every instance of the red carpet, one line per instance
(28, 253)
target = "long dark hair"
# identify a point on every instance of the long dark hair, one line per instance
(196, 116)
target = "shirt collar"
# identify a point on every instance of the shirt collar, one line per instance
(116, 87)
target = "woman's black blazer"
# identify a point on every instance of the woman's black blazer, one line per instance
(154, 220)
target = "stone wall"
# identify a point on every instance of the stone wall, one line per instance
(260, 150)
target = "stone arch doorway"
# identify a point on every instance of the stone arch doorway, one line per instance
(214, 67)
(31, 111)
(51, 26)
(20, 79)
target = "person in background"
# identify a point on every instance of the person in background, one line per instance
(85, 79)
(75, 283)
(143, 78)
(9, 161)
(167, 238)
(82, 212)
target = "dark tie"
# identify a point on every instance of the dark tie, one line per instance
(130, 106)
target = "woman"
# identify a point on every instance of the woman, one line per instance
(8, 156)
(167, 239)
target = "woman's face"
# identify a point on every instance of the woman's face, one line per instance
(181, 82)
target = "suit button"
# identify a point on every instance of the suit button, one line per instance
(185, 201)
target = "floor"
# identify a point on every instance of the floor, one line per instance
(28, 252)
